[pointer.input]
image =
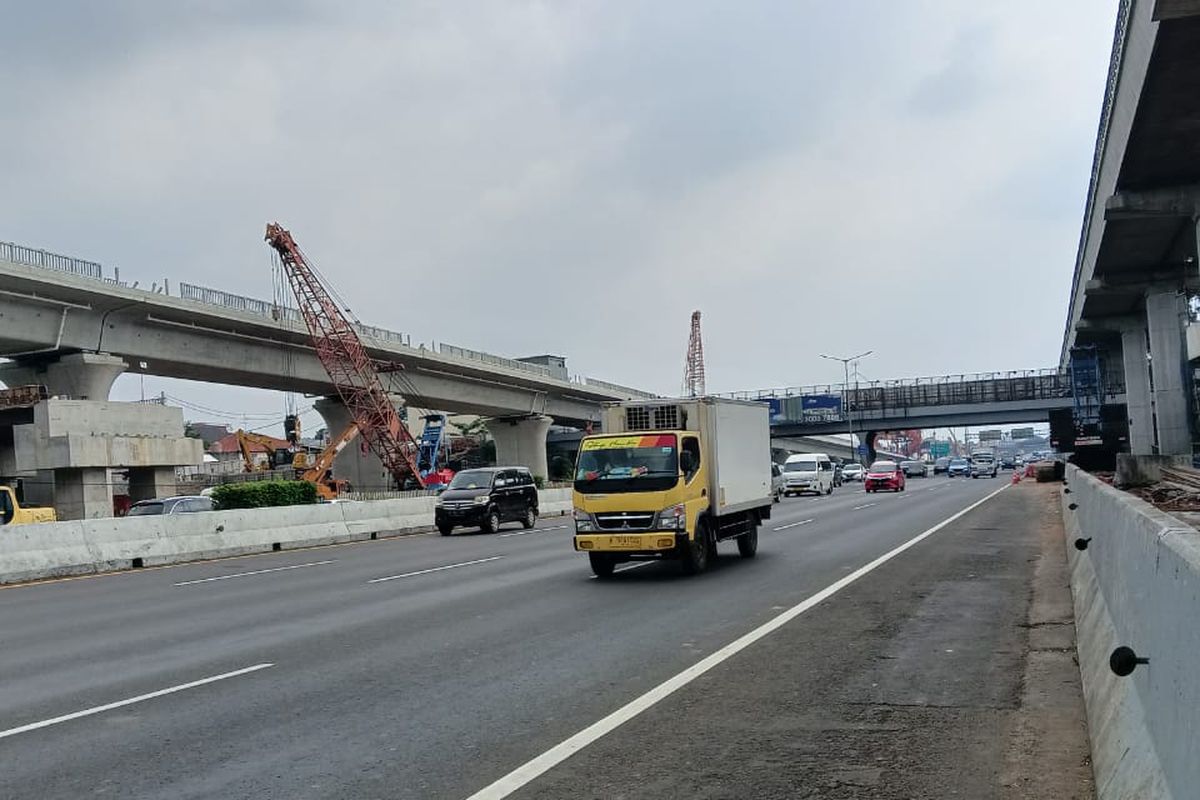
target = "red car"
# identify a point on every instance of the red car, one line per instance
(884, 475)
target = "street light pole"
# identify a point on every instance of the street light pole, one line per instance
(846, 393)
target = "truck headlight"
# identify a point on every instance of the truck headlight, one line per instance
(483, 499)
(673, 518)
(583, 521)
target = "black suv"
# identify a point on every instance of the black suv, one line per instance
(487, 498)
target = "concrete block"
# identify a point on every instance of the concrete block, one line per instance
(1137, 584)
(1143, 470)
(554, 502)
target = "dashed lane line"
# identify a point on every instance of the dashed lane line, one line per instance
(435, 569)
(533, 530)
(255, 572)
(87, 712)
(792, 525)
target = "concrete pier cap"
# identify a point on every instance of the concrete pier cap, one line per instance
(521, 441)
(78, 376)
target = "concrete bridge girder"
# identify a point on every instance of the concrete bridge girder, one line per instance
(287, 363)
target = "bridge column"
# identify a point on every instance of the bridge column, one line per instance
(148, 483)
(521, 442)
(79, 376)
(356, 463)
(1138, 402)
(1166, 313)
(82, 493)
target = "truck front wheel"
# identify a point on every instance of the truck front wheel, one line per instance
(748, 544)
(602, 564)
(695, 555)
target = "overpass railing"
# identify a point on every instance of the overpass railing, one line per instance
(617, 388)
(40, 258)
(496, 361)
(901, 395)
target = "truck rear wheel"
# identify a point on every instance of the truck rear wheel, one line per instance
(748, 544)
(602, 564)
(695, 554)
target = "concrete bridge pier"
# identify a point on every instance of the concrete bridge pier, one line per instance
(356, 463)
(147, 483)
(1138, 402)
(1166, 316)
(79, 376)
(521, 441)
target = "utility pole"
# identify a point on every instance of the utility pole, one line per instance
(846, 395)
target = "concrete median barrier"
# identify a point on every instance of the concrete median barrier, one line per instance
(59, 549)
(1137, 584)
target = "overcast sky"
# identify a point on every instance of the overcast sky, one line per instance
(576, 178)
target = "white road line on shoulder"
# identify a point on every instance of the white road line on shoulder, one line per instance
(87, 712)
(792, 525)
(532, 530)
(435, 569)
(530, 770)
(628, 567)
(864, 505)
(255, 572)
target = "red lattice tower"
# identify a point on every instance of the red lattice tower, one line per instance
(350, 368)
(693, 368)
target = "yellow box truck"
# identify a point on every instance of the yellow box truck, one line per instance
(12, 513)
(670, 479)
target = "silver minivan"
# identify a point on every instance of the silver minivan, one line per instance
(808, 472)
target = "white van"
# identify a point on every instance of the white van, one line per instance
(808, 472)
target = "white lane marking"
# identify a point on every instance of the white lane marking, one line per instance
(628, 567)
(530, 770)
(864, 505)
(435, 569)
(255, 572)
(87, 712)
(792, 525)
(532, 530)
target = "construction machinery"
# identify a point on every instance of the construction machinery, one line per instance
(13, 513)
(277, 457)
(319, 471)
(433, 441)
(316, 472)
(351, 369)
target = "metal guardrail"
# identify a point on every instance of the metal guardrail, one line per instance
(617, 388)
(488, 358)
(945, 390)
(41, 258)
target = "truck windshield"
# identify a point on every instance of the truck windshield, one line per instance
(642, 463)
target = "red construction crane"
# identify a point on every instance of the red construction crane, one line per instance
(352, 371)
(693, 368)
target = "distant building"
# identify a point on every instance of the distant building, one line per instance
(209, 432)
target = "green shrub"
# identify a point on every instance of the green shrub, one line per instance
(539, 481)
(264, 494)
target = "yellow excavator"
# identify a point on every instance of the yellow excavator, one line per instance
(317, 472)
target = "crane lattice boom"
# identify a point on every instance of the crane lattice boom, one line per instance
(693, 368)
(350, 368)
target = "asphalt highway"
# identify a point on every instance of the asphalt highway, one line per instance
(414, 667)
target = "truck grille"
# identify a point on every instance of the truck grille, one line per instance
(625, 521)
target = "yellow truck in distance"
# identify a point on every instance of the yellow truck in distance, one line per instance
(12, 513)
(669, 479)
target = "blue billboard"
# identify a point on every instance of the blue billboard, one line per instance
(821, 407)
(775, 406)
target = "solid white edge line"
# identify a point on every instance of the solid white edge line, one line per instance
(255, 572)
(792, 525)
(435, 569)
(532, 769)
(87, 712)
